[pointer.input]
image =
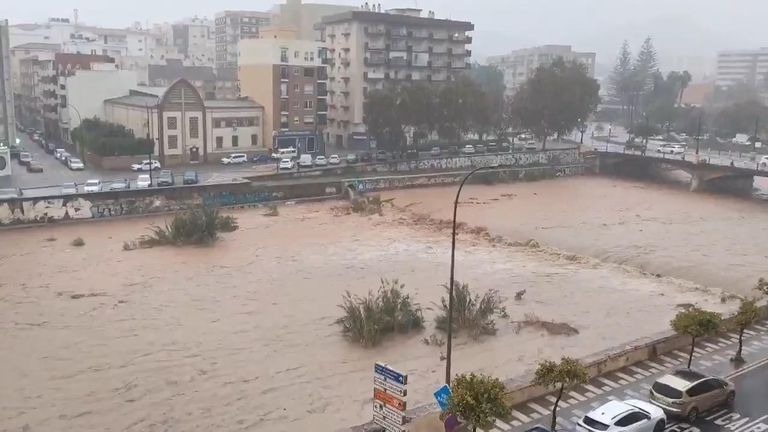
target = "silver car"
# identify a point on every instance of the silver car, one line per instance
(687, 393)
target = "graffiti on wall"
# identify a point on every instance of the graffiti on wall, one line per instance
(226, 199)
(383, 183)
(521, 159)
(44, 210)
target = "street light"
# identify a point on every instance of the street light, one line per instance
(451, 282)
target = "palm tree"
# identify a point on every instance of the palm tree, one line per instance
(685, 79)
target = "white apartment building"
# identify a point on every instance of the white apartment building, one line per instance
(195, 40)
(7, 116)
(747, 66)
(231, 27)
(368, 49)
(519, 65)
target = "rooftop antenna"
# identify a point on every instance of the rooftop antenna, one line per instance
(75, 17)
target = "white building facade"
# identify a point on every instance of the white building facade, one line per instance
(742, 66)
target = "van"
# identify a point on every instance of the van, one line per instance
(285, 153)
(305, 161)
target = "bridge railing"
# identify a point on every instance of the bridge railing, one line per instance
(721, 158)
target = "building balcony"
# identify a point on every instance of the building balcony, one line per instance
(374, 61)
(398, 61)
(398, 33)
(420, 34)
(375, 31)
(461, 38)
(344, 62)
(462, 65)
(373, 76)
(438, 36)
(375, 46)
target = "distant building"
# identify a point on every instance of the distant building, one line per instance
(195, 40)
(698, 94)
(231, 27)
(187, 128)
(368, 48)
(289, 79)
(742, 66)
(202, 78)
(7, 116)
(304, 17)
(519, 65)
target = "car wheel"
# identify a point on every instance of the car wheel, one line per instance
(693, 414)
(659, 426)
(730, 398)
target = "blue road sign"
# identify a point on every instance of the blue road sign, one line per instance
(391, 374)
(442, 394)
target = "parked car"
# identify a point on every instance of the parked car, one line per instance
(365, 157)
(92, 186)
(286, 164)
(69, 188)
(480, 148)
(120, 184)
(190, 178)
(49, 147)
(352, 158)
(25, 158)
(64, 157)
(435, 151)
(305, 161)
(146, 165)
(672, 149)
(261, 159)
(75, 164)
(30, 131)
(285, 153)
(453, 150)
(143, 181)
(687, 393)
(468, 149)
(321, 161)
(627, 416)
(58, 152)
(235, 158)
(166, 178)
(492, 148)
(34, 167)
(334, 160)
(382, 156)
(530, 145)
(763, 164)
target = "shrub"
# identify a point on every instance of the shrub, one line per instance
(78, 242)
(196, 226)
(472, 312)
(478, 399)
(368, 319)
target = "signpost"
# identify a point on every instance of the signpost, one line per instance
(441, 395)
(389, 392)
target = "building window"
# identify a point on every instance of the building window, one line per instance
(234, 141)
(219, 142)
(172, 125)
(296, 71)
(194, 127)
(283, 121)
(296, 120)
(309, 89)
(283, 72)
(295, 54)
(311, 147)
(296, 104)
(173, 142)
(308, 104)
(309, 72)
(283, 55)
(283, 105)
(254, 140)
(283, 89)
(295, 88)
(308, 120)
(365, 92)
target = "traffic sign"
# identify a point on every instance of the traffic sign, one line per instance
(389, 399)
(387, 424)
(389, 386)
(389, 373)
(442, 395)
(389, 391)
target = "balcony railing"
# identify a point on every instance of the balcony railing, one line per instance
(375, 46)
(375, 61)
(373, 75)
(398, 61)
(378, 31)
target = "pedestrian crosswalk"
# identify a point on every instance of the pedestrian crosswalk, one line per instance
(631, 382)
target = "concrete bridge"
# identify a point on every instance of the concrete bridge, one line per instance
(706, 173)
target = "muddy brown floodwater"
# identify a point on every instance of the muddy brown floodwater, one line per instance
(241, 335)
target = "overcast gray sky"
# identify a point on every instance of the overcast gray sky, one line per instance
(678, 27)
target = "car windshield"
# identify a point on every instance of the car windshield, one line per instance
(74, 160)
(92, 183)
(189, 174)
(667, 391)
(594, 424)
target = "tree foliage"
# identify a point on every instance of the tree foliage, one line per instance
(471, 312)
(556, 99)
(762, 286)
(739, 118)
(747, 315)
(110, 139)
(560, 376)
(478, 400)
(621, 77)
(696, 322)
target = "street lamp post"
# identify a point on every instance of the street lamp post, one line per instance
(451, 280)
(698, 137)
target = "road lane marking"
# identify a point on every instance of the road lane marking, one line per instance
(722, 344)
(747, 368)
(625, 376)
(524, 418)
(668, 359)
(538, 408)
(609, 382)
(594, 390)
(761, 327)
(714, 347)
(589, 394)
(719, 358)
(655, 365)
(622, 382)
(577, 396)
(682, 355)
(640, 371)
(503, 426)
(515, 423)
(699, 351)
(750, 332)
(553, 399)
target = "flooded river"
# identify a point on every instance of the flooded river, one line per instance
(242, 335)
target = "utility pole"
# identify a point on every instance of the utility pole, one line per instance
(754, 141)
(698, 137)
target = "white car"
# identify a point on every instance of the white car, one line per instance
(146, 165)
(321, 161)
(235, 158)
(305, 161)
(672, 149)
(530, 145)
(92, 186)
(468, 149)
(75, 164)
(285, 153)
(627, 416)
(143, 181)
(334, 160)
(763, 164)
(286, 164)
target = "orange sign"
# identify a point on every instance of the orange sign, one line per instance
(389, 399)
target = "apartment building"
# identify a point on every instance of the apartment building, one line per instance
(187, 128)
(367, 49)
(7, 116)
(195, 40)
(288, 77)
(36, 100)
(304, 17)
(231, 27)
(519, 65)
(737, 66)
(205, 80)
